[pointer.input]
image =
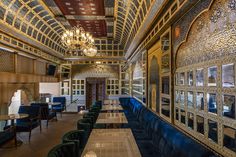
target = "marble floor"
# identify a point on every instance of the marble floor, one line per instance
(42, 142)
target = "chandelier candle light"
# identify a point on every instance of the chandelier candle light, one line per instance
(77, 39)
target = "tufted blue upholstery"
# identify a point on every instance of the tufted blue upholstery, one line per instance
(156, 137)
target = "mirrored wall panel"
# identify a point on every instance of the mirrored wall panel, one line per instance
(212, 76)
(228, 75)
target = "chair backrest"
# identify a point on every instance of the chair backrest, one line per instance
(63, 150)
(61, 100)
(86, 125)
(44, 110)
(76, 136)
(32, 111)
(24, 109)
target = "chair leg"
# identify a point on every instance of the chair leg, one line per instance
(15, 138)
(47, 123)
(40, 125)
(61, 114)
(29, 135)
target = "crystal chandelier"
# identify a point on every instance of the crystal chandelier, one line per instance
(77, 39)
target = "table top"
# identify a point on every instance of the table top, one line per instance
(111, 143)
(111, 118)
(230, 132)
(111, 107)
(13, 116)
(107, 102)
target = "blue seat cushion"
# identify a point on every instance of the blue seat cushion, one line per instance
(156, 137)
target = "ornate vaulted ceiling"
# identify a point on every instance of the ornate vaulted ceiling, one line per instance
(116, 24)
(117, 19)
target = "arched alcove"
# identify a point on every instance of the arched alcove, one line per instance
(153, 89)
(20, 97)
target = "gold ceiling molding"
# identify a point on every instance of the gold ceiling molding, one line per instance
(15, 45)
(156, 29)
(31, 19)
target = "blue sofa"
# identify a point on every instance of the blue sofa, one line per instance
(157, 138)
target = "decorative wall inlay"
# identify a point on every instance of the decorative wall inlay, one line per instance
(205, 89)
(216, 15)
(185, 22)
(32, 19)
(214, 41)
(200, 24)
(232, 4)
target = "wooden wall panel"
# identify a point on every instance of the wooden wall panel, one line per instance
(6, 61)
(40, 68)
(24, 78)
(25, 65)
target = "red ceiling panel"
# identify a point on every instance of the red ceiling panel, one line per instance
(85, 8)
(81, 7)
(96, 27)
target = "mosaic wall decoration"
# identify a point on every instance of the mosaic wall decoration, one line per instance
(205, 88)
(181, 28)
(216, 38)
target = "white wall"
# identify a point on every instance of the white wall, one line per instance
(52, 88)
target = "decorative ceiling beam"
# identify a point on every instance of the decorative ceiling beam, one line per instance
(109, 13)
(84, 17)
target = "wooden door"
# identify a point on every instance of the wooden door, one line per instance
(95, 90)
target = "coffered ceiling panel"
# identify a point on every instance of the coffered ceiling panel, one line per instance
(95, 27)
(81, 7)
(89, 14)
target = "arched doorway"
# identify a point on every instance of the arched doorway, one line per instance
(20, 97)
(153, 90)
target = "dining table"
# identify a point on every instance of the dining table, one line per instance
(111, 143)
(111, 102)
(112, 108)
(111, 119)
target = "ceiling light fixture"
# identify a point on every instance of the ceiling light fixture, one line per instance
(76, 39)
